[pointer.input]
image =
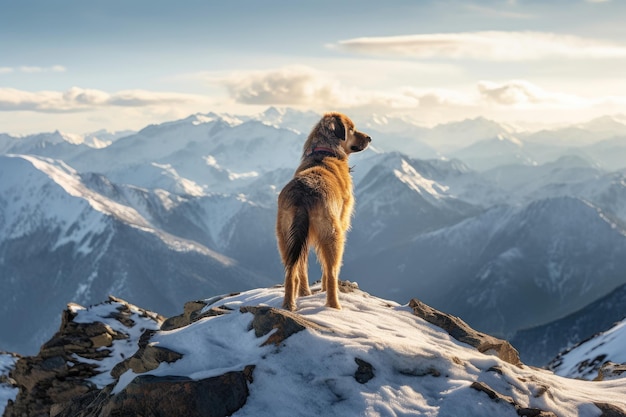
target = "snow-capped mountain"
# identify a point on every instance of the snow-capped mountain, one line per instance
(62, 240)
(197, 155)
(491, 153)
(178, 201)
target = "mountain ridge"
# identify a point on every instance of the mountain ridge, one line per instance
(238, 354)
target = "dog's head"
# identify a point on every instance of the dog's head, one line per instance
(337, 131)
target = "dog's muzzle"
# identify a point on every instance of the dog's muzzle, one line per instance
(366, 142)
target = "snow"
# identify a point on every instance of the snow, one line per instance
(7, 392)
(408, 175)
(419, 369)
(583, 360)
(120, 349)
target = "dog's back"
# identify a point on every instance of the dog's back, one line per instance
(315, 207)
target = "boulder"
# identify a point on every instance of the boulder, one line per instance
(159, 396)
(284, 322)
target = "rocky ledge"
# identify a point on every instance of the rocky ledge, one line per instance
(240, 353)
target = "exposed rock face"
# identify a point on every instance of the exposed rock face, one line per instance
(149, 395)
(458, 329)
(610, 370)
(66, 365)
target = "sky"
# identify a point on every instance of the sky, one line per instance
(80, 66)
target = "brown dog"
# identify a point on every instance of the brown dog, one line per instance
(316, 205)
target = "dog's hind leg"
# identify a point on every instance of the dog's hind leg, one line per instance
(291, 278)
(303, 275)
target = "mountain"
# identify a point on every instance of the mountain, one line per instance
(609, 152)
(114, 218)
(582, 134)
(489, 269)
(491, 153)
(599, 357)
(197, 155)
(398, 197)
(538, 345)
(62, 240)
(241, 354)
(450, 137)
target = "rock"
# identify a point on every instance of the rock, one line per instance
(462, 332)
(610, 370)
(153, 396)
(610, 410)
(193, 312)
(365, 372)
(145, 359)
(65, 364)
(521, 411)
(285, 322)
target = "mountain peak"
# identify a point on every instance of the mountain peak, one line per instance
(242, 353)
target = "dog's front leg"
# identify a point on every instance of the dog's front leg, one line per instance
(331, 252)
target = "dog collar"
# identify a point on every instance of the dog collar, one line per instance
(323, 150)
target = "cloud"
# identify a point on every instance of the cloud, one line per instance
(521, 93)
(307, 87)
(295, 85)
(32, 69)
(489, 45)
(78, 99)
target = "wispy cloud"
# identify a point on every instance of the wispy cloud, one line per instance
(32, 69)
(488, 45)
(79, 99)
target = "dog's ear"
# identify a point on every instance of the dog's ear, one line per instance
(338, 128)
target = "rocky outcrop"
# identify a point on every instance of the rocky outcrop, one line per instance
(148, 395)
(67, 363)
(610, 370)
(462, 332)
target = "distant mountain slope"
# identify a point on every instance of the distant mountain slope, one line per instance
(60, 240)
(601, 352)
(554, 255)
(539, 345)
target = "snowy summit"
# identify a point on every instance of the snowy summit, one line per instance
(248, 357)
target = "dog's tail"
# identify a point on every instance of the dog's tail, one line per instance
(297, 239)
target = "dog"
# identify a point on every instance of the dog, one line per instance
(315, 207)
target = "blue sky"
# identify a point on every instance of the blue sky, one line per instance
(79, 66)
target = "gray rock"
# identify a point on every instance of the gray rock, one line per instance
(462, 332)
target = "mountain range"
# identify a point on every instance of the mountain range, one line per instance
(507, 229)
